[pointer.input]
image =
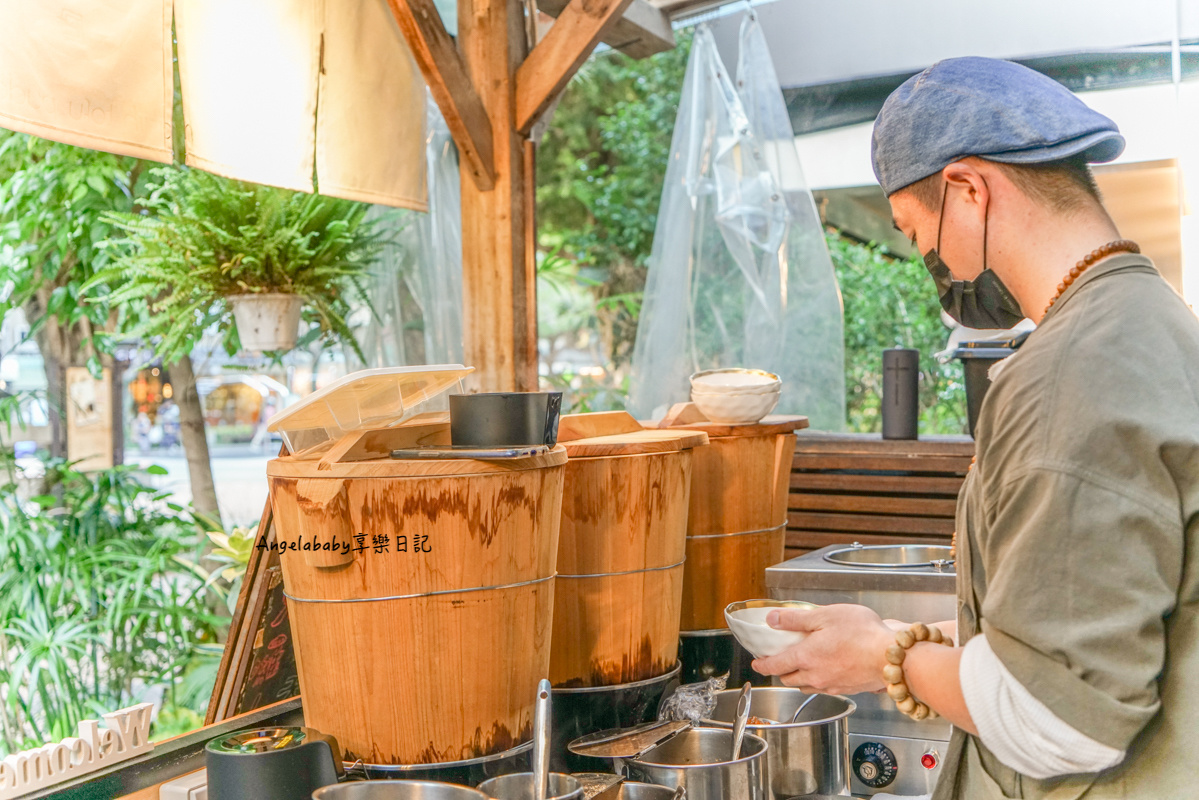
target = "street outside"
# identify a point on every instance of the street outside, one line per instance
(238, 471)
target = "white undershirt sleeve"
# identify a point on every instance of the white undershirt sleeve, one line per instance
(1019, 729)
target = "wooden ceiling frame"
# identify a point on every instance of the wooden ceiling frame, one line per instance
(491, 90)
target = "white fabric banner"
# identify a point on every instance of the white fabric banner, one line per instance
(370, 132)
(92, 73)
(248, 70)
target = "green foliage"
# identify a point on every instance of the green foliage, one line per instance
(99, 598)
(891, 302)
(54, 199)
(204, 238)
(600, 170)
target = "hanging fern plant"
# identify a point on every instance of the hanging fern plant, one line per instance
(201, 240)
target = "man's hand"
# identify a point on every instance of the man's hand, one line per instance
(842, 654)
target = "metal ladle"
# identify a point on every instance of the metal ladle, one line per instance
(741, 719)
(541, 741)
(807, 701)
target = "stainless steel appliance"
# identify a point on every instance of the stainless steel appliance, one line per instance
(915, 583)
(806, 756)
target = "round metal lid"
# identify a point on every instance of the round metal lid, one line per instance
(892, 556)
(259, 740)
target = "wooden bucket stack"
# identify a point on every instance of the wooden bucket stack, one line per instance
(736, 525)
(420, 638)
(621, 549)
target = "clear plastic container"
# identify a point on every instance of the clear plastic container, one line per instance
(367, 400)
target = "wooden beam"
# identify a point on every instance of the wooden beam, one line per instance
(559, 55)
(442, 66)
(499, 320)
(640, 32)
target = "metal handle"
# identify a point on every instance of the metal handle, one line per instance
(807, 701)
(742, 719)
(541, 740)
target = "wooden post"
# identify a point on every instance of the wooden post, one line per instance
(499, 280)
(499, 321)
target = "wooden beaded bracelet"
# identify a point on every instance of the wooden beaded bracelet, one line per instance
(897, 686)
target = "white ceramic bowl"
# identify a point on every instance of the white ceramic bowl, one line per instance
(735, 380)
(735, 409)
(747, 621)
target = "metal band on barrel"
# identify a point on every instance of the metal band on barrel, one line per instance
(626, 572)
(419, 594)
(782, 524)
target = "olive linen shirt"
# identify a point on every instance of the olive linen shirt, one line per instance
(1077, 533)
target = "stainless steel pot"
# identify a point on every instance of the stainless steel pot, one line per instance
(698, 760)
(631, 790)
(519, 786)
(807, 757)
(595, 784)
(397, 790)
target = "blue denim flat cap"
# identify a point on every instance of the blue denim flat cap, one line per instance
(984, 107)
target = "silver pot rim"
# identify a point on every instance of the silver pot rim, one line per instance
(761, 754)
(851, 707)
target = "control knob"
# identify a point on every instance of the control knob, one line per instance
(875, 765)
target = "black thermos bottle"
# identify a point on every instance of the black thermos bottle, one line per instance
(901, 408)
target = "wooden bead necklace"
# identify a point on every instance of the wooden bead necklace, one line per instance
(1120, 245)
(897, 686)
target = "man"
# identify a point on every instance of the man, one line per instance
(1077, 667)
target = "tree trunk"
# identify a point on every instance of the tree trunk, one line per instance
(195, 443)
(55, 360)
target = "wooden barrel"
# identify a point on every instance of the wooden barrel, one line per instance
(421, 638)
(737, 522)
(620, 551)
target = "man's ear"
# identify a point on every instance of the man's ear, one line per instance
(964, 177)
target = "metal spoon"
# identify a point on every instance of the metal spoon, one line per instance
(802, 706)
(541, 741)
(741, 718)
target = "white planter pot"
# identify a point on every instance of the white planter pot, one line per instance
(267, 321)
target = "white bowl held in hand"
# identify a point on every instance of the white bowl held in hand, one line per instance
(747, 621)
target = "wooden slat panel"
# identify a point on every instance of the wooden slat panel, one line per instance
(816, 442)
(881, 484)
(814, 540)
(866, 522)
(955, 465)
(872, 504)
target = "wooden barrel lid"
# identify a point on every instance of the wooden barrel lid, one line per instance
(617, 433)
(685, 416)
(291, 467)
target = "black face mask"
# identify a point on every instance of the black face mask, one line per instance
(981, 303)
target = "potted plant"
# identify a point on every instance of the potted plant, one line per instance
(250, 258)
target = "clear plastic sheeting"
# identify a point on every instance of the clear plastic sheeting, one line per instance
(693, 701)
(739, 274)
(416, 288)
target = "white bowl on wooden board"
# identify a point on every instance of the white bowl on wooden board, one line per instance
(735, 409)
(747, 620)
(735, 396)
(735, 380)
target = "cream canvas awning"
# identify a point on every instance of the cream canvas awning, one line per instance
(92, 73)
(279, 92)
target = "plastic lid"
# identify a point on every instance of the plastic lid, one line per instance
(365, 400)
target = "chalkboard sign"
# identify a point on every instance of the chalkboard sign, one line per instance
(258, 666)
(272, 673)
